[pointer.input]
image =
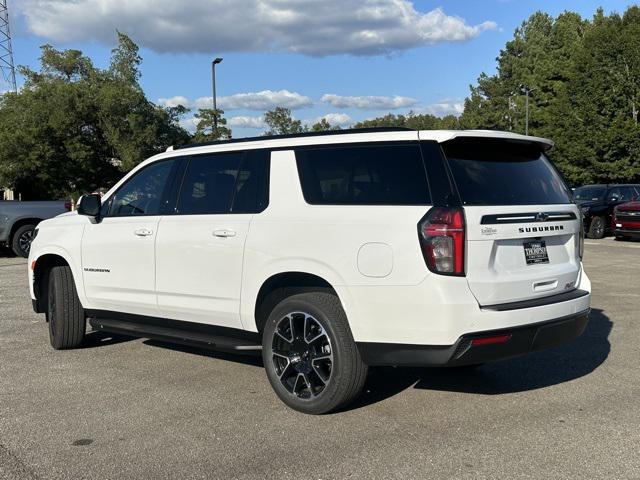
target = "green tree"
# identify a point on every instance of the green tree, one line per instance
(74, 128)
(411, 120)
(205, 128)
(583, 79)
(280, 122)
(323, 125)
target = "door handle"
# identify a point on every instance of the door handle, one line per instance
(143, 232)
(224, 233)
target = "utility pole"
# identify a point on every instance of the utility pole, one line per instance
(215, 105)
(526, 109)
(7, 69)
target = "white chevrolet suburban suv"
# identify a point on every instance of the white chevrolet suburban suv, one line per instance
(330, 253)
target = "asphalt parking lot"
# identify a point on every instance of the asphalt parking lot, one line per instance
(130, 408)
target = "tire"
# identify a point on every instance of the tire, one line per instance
(309, 354)
(67, 322)
(21, 240)
(596, 228)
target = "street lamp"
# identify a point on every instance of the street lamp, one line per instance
(215, 106)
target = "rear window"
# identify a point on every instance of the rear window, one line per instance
(489, 172)
(363, 175)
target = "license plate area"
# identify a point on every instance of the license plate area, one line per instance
(535, 252)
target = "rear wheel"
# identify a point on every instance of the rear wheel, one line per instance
(65, 314)
(21, 241)
(309, 354)
(596, 228)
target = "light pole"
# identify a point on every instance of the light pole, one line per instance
(215, 106)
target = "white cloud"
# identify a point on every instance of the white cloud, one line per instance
(309, 27)
(246, 122)
(189, 124)
(264, 100)
(369, 102)
(339, 119)
(444, 108)
(174, 101)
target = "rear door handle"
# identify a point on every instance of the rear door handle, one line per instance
(224, 232)
(143, 232)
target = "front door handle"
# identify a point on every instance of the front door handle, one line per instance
(143, 232)
(224, 233)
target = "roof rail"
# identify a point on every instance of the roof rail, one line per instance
(297, 135)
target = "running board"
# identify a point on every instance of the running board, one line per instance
(193, 338)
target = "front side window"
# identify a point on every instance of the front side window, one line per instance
(142, 194)
(363, 175)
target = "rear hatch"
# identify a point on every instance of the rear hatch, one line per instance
(522, 229)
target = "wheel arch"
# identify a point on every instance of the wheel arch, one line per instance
(41, 266)
(280, 285)
(20, 222)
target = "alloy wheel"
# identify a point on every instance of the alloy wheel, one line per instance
(302, 355)
(24, 241)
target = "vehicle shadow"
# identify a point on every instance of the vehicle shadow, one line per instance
(537, 370)
(103, 339)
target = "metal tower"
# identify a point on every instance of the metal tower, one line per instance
(7, 69)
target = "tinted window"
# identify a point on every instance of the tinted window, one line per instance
(223, 183)
(251, 191)
(142, 193)
(501, 173)
(622, 194)
(363, 175)
(589, 193)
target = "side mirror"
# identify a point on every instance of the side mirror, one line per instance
(89, 205)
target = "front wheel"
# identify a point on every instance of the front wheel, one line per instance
(309, 354)
(67, 323)
(596, 228)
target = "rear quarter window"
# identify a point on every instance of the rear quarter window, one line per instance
(489, 172)
(363, 175)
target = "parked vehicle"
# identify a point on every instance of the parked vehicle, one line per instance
(18, 221)
(597, 203)
(330, 253)
(626, 221)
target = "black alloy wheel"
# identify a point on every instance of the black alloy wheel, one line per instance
(302, 355)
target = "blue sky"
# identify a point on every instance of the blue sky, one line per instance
(319, 58)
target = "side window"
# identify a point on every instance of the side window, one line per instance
(363, 175)
(209, 184)
(252, 185)
(615, 193)
(142, 194)
(224, 183)
(628, 193)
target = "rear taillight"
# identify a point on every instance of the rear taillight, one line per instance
(441, 234)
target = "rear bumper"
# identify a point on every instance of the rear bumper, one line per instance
(521, 340)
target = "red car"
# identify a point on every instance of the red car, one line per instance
(626, 220)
